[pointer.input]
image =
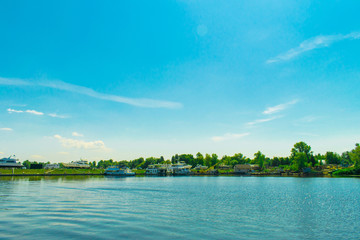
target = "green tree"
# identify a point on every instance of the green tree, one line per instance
(299, 161)
(207, 160)
(199, 158)
(355, 155)
(214, 159)
(233, 163)
(301, 147)
(26, 164)
(312, 161)
(137, 163)
(332, 158)
(239, 157)
(187, 158)
(275, 162)
(285, 161)
(175, 159)
(226, 160)
(259, 158)
(345, 158)
(319, 158)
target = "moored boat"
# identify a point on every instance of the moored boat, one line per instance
(180, 169)
(152, 170)
(10, 162)
(77, 164)
(119, 171)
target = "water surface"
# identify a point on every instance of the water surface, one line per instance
(179, 207)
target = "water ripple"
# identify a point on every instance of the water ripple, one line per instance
(184, 208)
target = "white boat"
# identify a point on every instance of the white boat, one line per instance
(77, 164)
(180, 169)
(10, 162)
(119, 171)
(158, 169)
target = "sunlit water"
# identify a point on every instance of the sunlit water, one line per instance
(179, 207)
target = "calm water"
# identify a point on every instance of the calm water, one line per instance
(179, 207)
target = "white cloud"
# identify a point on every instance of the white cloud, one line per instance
(60, 85)
(37, 156)
(6, 129)
(272, 110)
(76, 134)
(313, 43)
(229, 136)
(306, 120)
(74, 143)
(14, 111)
(13, 82)
(280, 107)
(54, 115)
(26, 111)
(34, 112)
(262, 120)
(309, 119)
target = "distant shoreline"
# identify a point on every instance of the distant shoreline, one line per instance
(191, 175)
(47, 174)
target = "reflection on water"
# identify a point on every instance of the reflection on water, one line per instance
(99, 207)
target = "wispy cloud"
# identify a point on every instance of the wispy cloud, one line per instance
(272, 110)
(229, 136)
(258, 121)
(74, 143)
(54, 115)
(60, 85)
(26, 111)
(313, 43)
(309, 119)
(76, 134)
(304, 121)
(280, 107)
(14, 111)
(6, 129)
(34, 112)
(14, 82)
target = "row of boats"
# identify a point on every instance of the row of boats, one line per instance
(12, 162)
(157, 169)
(178, 169)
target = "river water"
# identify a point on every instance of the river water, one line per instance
(179, 207)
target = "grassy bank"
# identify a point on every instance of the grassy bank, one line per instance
(139, 171)
(50, 171)
(353, 171)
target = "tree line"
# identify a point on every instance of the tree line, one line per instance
(301, 157)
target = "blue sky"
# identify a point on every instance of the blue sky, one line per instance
(125, 79)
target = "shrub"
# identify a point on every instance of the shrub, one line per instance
(347, 171)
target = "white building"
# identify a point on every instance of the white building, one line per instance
(52, 166)
(152, 170)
